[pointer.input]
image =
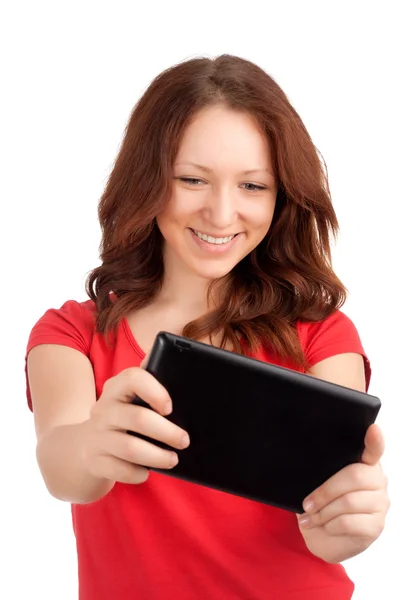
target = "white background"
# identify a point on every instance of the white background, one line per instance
(71, 73)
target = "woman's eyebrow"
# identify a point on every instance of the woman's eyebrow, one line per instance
(208, 170)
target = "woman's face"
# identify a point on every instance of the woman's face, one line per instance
(223, 194)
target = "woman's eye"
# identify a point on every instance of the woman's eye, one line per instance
(191, 180)
(254, 187)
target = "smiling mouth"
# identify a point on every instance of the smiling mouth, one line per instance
(213, 240)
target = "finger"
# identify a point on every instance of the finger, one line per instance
(374, 446)
(144, 362)
(137, 451)
(135, 381)
(128, 417)
(353, 503)
(353, 478)
(364, 526)
(116, 469)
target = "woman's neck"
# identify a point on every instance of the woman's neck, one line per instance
(188, 293)
(184, 296)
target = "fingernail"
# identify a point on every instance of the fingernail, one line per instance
(168, 408)
(185, 441)
(304, 520)
(174, 460)
(308, 506)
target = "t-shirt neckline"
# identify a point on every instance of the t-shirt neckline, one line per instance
(132, 341)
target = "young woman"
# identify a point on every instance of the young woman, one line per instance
(216, 221)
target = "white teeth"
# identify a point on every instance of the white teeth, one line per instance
(212, 240)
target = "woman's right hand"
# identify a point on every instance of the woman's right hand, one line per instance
(109, 451)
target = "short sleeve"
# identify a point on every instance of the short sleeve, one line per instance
(336, 334)
(71, 325)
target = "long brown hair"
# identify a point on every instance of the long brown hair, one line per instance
(287, 278)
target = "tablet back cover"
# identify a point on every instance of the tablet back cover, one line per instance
(257, 430)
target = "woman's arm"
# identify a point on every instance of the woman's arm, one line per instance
(346, 514)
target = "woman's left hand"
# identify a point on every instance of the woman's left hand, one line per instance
(349, 509)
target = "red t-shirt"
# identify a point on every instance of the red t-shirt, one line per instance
(168, 539)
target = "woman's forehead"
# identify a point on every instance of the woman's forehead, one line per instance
(224, 138)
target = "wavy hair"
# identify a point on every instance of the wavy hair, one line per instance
(287, 278)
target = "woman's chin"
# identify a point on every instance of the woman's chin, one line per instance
(211, 273)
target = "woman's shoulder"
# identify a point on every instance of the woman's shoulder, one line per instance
(335, 334)
(72, 323)
(319, 339)
(335, 327)
(81, 313)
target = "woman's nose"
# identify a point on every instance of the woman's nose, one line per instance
(221, 209)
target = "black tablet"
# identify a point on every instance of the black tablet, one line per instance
(257, 430)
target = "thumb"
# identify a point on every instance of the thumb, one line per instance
(374, 446)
